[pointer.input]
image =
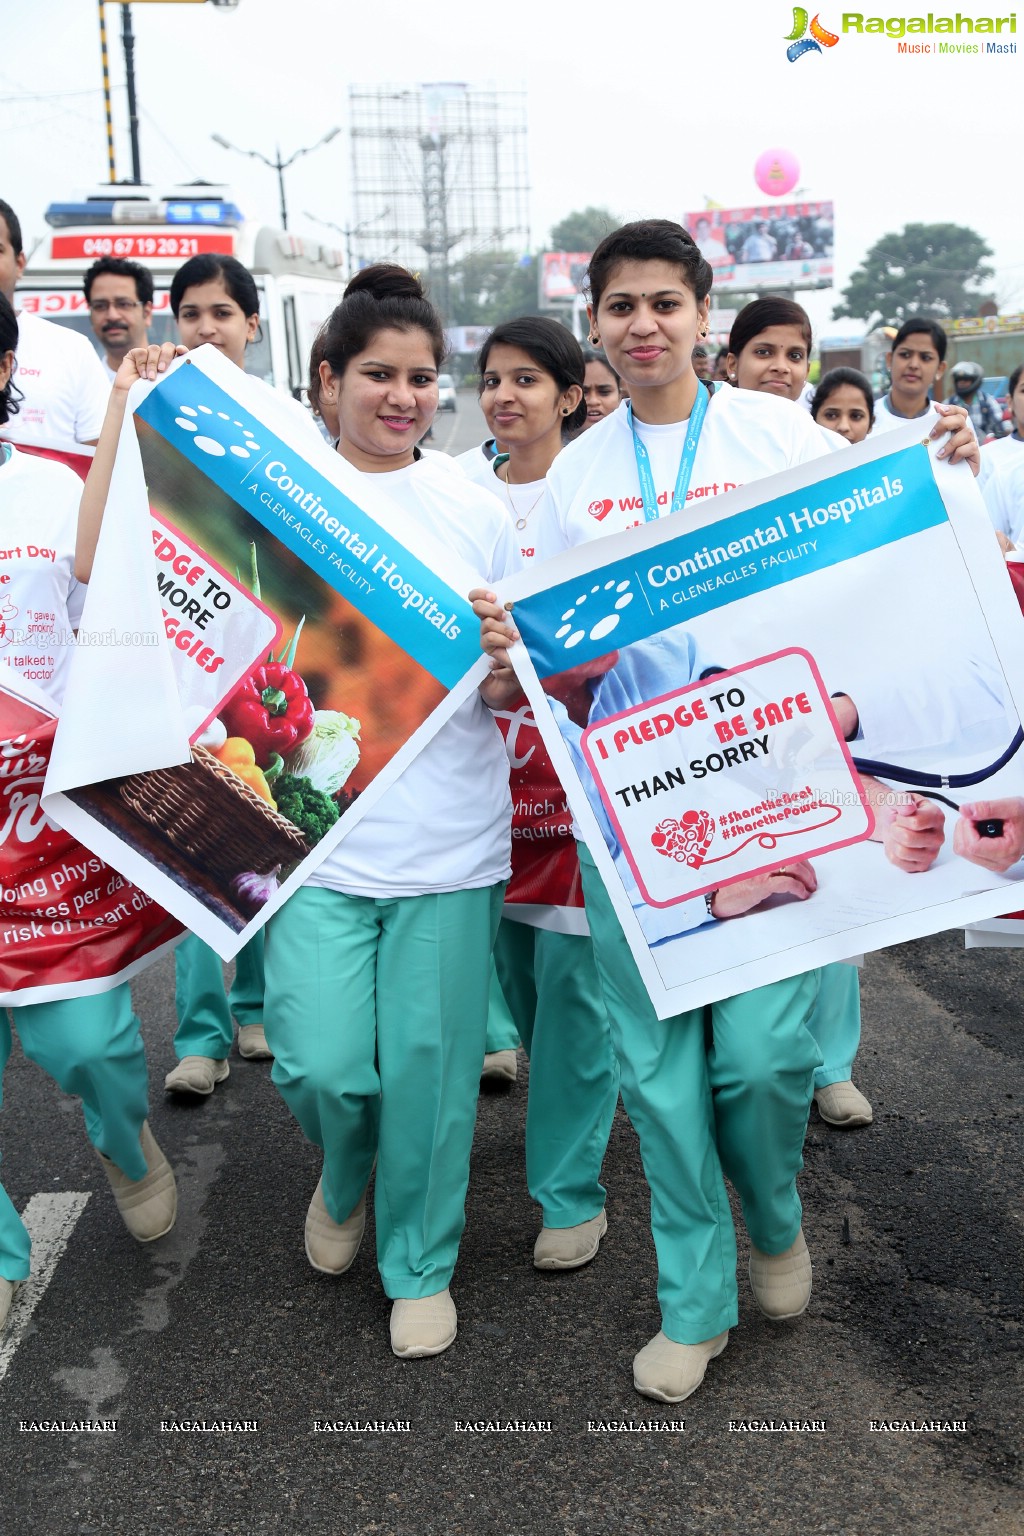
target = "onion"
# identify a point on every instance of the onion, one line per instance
(252, 890)
(214, 735)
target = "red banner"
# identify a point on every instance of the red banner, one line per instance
(545, 868)
(81, 463)
(69, 923)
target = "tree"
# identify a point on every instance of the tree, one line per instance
(582, 230)
(934, 270)
(487, 287)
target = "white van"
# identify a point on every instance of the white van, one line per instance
(299, 280)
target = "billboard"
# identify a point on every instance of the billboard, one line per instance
(561, 275)
(767, 246)
(464, 340)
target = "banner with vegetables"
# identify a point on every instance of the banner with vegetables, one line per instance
(69, 924)
(219, 629)
(313, 640)
(780, 748)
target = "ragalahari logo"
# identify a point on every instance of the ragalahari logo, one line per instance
(800, 43)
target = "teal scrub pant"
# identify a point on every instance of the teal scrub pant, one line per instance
(91, 1047)
(835, 1023)
(552, 988)
(722, 1090)
(377, 1015)
(204, 1012)
(501, 1031)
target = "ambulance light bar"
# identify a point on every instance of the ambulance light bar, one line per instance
(128, 211)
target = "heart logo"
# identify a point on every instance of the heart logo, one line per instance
(599, 509)
(686, 840)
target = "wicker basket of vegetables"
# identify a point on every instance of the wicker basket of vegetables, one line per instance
(263, 786)
(210, 814)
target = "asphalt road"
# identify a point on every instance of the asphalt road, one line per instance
(455, 431)
(915, 1227)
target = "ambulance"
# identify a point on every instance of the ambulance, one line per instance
(299, 280)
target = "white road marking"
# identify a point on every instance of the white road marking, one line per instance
(444, 447)
(50, 1219)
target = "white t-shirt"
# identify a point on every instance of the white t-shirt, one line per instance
(996, 456)
(521, 504)
(441, 460)
(64, 385)
(1004, 496)
(476, 464)
(445, 824)
(887, 421)
(40, 600)
(594, 489)
(299, 414)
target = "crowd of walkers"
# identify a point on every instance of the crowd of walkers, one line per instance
(398, 973)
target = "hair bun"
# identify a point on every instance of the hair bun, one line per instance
(386, 280)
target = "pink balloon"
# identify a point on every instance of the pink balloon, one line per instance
(776, 172)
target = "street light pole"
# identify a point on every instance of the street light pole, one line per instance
(356, 229)
(128, 42)
(280, 185)
(277, 164)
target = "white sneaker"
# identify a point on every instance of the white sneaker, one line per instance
(424, 1325)
(197, 1075)
(843, 1104)
(252, 1043)
(670, 1372)
(8, 1291)
(781, 1282)
(569, 1247)
(148, 1205)
(499, 1067)
(331, 1246)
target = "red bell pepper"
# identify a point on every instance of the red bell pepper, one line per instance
(271, 708)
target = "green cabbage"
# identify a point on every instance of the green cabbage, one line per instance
(329, 753)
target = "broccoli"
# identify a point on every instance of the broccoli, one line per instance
(309, 809)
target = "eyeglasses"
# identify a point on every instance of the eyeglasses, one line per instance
(123, 306)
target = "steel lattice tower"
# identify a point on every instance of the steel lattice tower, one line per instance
(438, 172)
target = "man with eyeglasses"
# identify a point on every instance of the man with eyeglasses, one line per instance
(59, 376)
(120, 298)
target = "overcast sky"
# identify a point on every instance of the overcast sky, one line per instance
(642, 108)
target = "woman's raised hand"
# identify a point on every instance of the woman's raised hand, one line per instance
(146, 363)
(497, 633)
(963, 446)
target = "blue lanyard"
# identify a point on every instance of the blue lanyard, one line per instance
(686, 458)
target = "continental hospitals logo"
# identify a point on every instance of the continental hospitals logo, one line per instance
(799, 41)
(206, 431)
(811, 37)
